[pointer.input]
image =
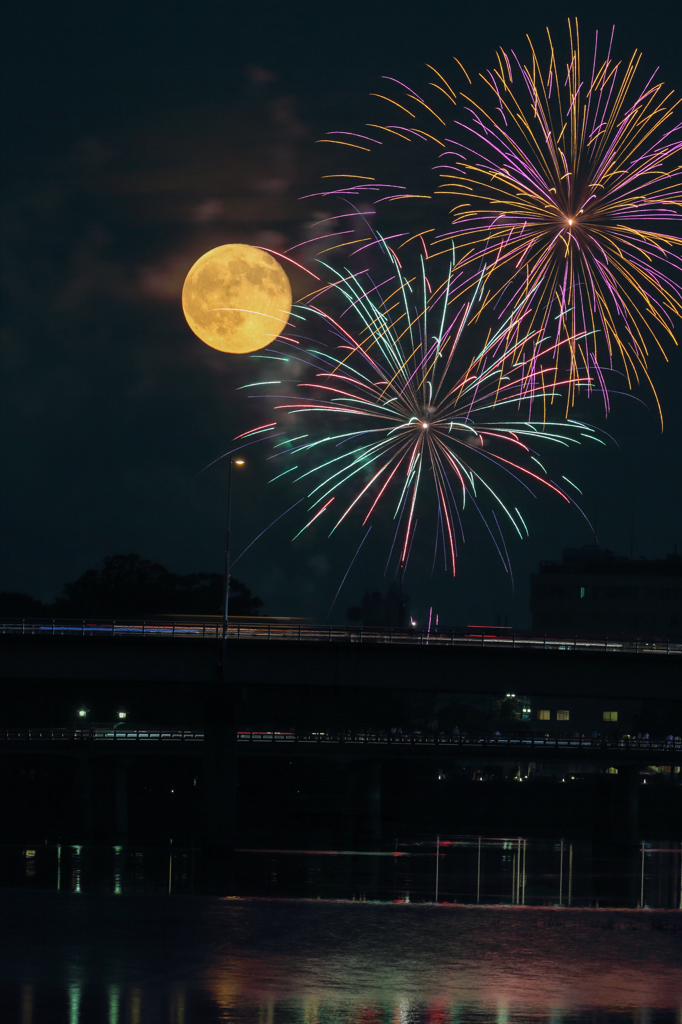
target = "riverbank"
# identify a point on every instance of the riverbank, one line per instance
(492, 915)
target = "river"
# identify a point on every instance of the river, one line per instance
(88, 958)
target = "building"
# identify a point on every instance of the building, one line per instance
(592, 590)
(569, 715)
(379, 611)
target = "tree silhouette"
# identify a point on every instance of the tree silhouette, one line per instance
(21, 606)
(128, 587)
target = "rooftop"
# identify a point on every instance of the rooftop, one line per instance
(597, 561)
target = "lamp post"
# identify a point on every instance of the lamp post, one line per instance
(220, 745)
(226, 595)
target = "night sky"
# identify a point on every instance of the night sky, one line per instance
(136, 137)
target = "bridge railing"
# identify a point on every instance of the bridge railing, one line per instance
(518, 743)
(100, 734)
(212, 630)
(424, 738)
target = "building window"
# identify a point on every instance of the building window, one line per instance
(543, 716)
(610, 716)
(582, 591)
(562, 716)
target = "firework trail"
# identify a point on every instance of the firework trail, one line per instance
(566, 178)
(418, 420)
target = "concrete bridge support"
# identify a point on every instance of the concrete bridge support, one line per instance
(220, 763)
(121, 796)
(616, 836)
(82, 818)
(375, 836)
(374, 803)
(629, 780)
(366, 833)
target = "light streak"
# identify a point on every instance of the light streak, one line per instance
(564, 175)
(425, 418)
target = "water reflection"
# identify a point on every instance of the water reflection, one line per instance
(26, 1004)
(520, 975)
(75, 993)
(111, 946)
(475, 870)
(462, 870)
(507, 989)
(114, 1003)
(76, 868)
(118, 870)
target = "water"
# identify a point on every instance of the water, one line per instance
(81, 958)
(463, 870)
(523, 931)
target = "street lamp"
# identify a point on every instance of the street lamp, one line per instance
(226, 601)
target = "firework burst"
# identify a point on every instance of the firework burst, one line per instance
(567, 183)
(418, 421)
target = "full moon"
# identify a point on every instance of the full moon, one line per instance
(236, 298)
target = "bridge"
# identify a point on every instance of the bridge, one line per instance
(176, 654)
(170, 673)
(347, 745)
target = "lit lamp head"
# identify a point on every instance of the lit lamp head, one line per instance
(122, 714)
(82, 712)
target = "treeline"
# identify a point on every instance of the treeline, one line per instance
(127, 586)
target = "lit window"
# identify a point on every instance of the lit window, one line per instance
(610, 716)
(543, 716)
(562, 716)
(582, 591)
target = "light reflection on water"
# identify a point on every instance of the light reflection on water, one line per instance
(81, 959)
(465, 870)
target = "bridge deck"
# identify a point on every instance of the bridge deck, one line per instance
(496, 637)
(128, 656)
(108, 740)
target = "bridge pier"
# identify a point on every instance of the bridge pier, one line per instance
(81, 800)
(121, 796)
(366, 832)
(374, 803)
(616, 839)
(628, 804)
(342, 831)
(220, 778)
(374, 809)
